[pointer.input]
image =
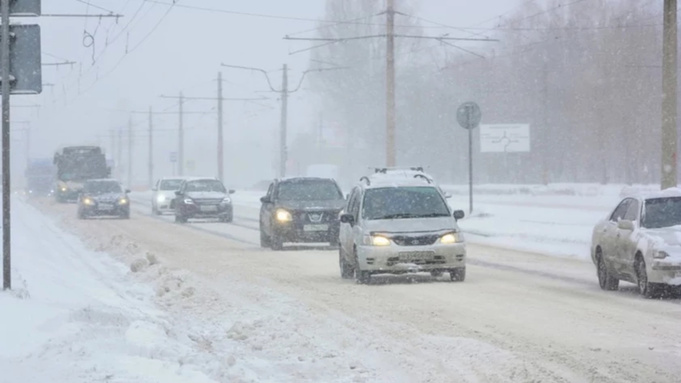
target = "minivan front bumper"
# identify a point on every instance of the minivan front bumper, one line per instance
(400, 259)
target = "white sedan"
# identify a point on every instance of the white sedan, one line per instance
(640, 242)
(163, 193)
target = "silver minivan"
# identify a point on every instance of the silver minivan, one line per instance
(400, 222)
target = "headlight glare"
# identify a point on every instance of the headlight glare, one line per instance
(88, 201)
(284, 216)
(378, 240)
(660, 254)
(161, 198)
(451, 238)
(123, 201)
(188, 201)
(227, 200)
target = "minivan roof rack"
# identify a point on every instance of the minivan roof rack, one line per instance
(386, 169)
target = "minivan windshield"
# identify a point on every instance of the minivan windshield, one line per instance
(403, 202)
(170, 184)
(309, 190)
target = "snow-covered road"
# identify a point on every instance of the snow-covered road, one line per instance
(288, 316)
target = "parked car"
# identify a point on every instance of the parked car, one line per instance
(103, 197)
(399, 222)
(163, 194)
(301, 209)
(640, 242)
(203, 198)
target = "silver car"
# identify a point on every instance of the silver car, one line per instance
(400, 223)
(163, 193)
(640, 242)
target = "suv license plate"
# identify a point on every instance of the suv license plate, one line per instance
(315, 227)
(105, 206)
(208, 208)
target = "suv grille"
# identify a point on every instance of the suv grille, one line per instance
(205, 201)
(423, 240)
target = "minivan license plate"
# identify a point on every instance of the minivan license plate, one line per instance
(315, 227)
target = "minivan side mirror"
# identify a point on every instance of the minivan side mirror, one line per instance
(265, 199)
(458, 214)
(347, 218)
(625, 224)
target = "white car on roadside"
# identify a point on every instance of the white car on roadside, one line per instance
(640, 242)
(163, 193)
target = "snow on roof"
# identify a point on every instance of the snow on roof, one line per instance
(633, 192)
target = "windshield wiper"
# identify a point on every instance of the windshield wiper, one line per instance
(433, 215)
(400, 215)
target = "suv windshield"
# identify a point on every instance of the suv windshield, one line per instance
(170, 184)
(309, 190)
(662, 212)
(403, 202)
(205, 186)
(102, 187)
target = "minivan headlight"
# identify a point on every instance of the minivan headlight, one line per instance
(376, 240)
(660, 254)
(451, 238)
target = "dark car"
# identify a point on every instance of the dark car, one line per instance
(104, 197)
(300, 210)
(203, 198)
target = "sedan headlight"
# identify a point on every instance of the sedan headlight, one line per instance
(660, 254)
(123, 201)
(376, 240)
(451, 238)
(283, 216)
(88, 201)
(63, 188)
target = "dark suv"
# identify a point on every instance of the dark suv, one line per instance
(300, 210)
(203, 198)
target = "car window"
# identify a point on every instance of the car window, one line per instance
(632, 211)
(621, 210)
(101, 187)
(662, 212)
(270, 189)
(205, 186)
(353, 205)
(170, 184)
(309, 190)
(404, 202)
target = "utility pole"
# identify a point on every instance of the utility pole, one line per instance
(221, 140)
(151, 148)
(284, 92)
(130, 152)
(390, 85)
(119, 149)
(5, 87)
(669, 96)
(283, 157)
(180, 138)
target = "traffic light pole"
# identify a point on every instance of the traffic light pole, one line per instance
(6, 192)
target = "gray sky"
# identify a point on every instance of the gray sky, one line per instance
(183, 52)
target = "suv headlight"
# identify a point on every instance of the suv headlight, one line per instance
(376, 240)
(188, 201)
(283, 216)
(123, 201)
(451, 238)
(660, 254)
(227, 201)
(161, 198)
(88, 201)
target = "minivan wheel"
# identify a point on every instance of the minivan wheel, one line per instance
(361, 276)
(458, 275)
(264, 240)
(346, 269)
(276, 242)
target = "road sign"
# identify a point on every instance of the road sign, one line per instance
(24, 7)
(504, 138)
(173, 157)
(468, 115)
(25, 65)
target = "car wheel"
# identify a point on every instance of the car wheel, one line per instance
(276, 242)
(647, 289)
(125, 215)
(458, 275)
(605, 280)
(227, 219)
(81, 215)
(180, 219)
(264, 240)
(362, 277)
(346, 269)
(436, 273)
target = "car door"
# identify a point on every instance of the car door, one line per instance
(627, 240)
(609, 233)
(266, 211)
(357, 231)
(154, 193)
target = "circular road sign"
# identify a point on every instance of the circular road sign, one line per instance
(468, 115)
